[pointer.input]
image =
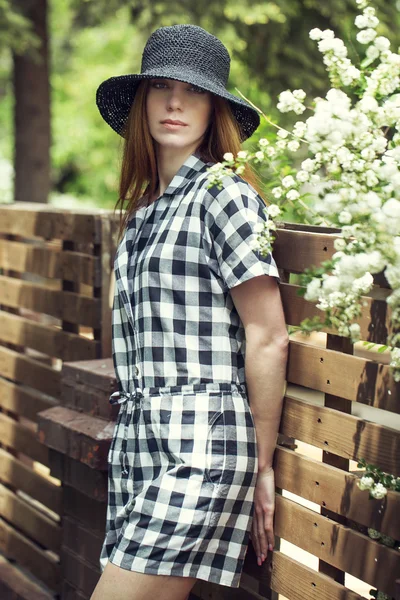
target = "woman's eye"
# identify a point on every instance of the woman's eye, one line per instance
(158, 84)
(197, 90)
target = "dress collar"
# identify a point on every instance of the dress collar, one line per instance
(186, 173)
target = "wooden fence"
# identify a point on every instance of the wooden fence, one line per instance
(341, 404)
(55, 268)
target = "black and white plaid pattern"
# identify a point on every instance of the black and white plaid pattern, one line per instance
(183, 460)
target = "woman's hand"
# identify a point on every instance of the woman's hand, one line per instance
(262, 532)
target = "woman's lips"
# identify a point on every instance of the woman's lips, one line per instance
(173, 125)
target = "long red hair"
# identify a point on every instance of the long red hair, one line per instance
(139, 176)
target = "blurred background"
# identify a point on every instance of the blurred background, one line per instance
(54, 146)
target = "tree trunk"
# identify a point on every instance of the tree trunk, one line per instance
(32, 112)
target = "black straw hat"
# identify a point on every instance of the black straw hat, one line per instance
(186, 53)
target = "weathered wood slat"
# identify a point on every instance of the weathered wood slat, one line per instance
(294, 251)
(15, 585)
(40, 220)
(23, 401)
(338, 545)
(22, 439)
(294, 580)
(29, 521)
(337, 491)
(14, 473)
(343, 375)
(91, 482)
(375, 324)
(50, 262)
(16, 546)
(28, 371)
(46, 339)
(67, 306)
(344, 435)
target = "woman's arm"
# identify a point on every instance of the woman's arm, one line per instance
(259, 306)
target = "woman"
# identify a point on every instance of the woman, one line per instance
(189, 460)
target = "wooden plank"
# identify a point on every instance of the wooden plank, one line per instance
(16, 546)
(345, 346)
(294, 580)
(50, 262)
(22, 439)
(14, 473)
(337, 491)
(23, 401)
(40, 220)
(22, 369)
(338, 545)
(295, 251)
(29, 521)
(375, 322)
(15, 585)
(350, 377)
(63, 305)
(345, 435)
(46, 339)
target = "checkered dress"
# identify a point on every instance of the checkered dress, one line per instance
(183, 459)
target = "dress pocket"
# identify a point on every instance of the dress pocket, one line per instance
(215, 449)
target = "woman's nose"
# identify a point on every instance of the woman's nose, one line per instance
(174, 100)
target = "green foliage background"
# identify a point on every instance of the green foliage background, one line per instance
(91, 40)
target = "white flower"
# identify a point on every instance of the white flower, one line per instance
(365, 483)
(263, 142)
(344, 217)
(391, 208)
(254, 244)
(355, 332)
(228, 156)
(315, 34)
(273, 210)
(258, 227)
(302, 176)
(293, 145)
(288, 181)
(378, 491)
(292, 195)
(308, 165)
(382, 43)
(277, 192)
(259, 155)
(372, 52)
(339, 244)
(313, 290)
(242, 154)
(331, 284)
(282, 133)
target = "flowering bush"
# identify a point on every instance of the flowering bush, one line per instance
(352, 174)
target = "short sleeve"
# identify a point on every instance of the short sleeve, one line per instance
(232, 215)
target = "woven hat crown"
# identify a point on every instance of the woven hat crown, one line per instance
(187, 46)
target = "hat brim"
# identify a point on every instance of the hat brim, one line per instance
(114, 97)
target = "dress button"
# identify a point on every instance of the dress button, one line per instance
(137, 371)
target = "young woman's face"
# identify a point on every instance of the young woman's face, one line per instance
(178, 113)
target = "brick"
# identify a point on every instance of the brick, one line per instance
(76, 435)
(78, 572)
(90, 513)
(88, 400)
(82, 541)
(69, 592)
(91, 482)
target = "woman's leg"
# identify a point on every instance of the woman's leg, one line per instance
(121, 584)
